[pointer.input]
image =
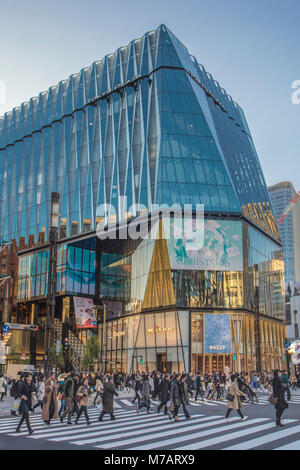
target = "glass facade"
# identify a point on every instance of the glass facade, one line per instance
(76, 269)
(281, 195)
(145, 125)
(149, 342)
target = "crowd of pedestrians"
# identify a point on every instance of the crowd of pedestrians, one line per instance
(76, 391)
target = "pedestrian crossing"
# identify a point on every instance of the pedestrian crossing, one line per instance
(155, 431)
(262, 400)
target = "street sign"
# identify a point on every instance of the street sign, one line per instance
(287, 344)
(19, 326)
(58, 347)
(5, 328)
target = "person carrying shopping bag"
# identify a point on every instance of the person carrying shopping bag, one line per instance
(83, 393)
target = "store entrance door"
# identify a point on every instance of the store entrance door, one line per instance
(209, 363)
(162, 364)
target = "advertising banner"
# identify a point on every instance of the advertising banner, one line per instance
(217, 333)
(221, 248)
(85, 317)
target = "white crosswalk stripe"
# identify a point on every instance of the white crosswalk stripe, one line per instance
(126, 402)
(155, 431)
(220, 427)
(158, 424)
(9, 425)
(291, 446)
(40, 429)
(183, 428)
(235, 435)
(262, 400)
(130, 419)
(259, 441)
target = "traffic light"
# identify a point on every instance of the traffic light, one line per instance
(33, 327)
(234, 357)
(66, 342)
(141, 361)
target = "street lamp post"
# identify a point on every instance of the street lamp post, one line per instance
(102, 340)
(53, 237)
(257, 326)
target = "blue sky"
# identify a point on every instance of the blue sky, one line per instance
(251, 47)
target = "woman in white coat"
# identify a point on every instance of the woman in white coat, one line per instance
(2, 386)
(40, 393)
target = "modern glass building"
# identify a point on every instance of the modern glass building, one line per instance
(146, 125)
(281, 195)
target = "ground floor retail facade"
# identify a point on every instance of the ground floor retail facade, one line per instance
(173, 302)
(176, 341)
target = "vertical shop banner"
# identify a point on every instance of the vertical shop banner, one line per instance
(217, 333)
(85, 317)
(221, 248)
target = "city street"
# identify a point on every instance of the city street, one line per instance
(149, 229)
(206, 429)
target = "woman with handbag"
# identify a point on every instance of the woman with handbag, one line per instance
(234, 399)
(50, 406)
(277, 399)
(83, 395)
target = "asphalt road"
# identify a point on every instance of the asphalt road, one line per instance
(206, 429)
